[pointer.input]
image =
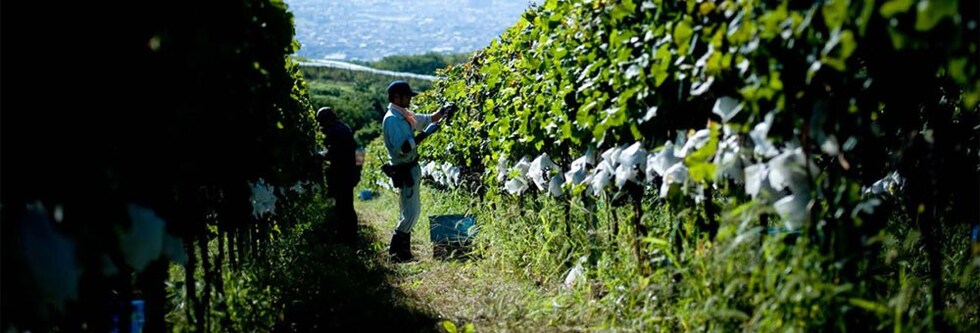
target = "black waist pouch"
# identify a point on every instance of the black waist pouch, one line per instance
(401, 174)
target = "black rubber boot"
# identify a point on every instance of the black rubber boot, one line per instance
(407, 248)
(400, 249)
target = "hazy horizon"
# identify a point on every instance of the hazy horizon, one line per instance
(373, 29)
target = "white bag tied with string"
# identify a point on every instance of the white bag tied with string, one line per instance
(731, 164)
(578, 172)
(891, 185)
(695, 142)
(760, 136)
(727, 108)
(677, 174)
(263, 199)
(757, 181)
(589, 156)
(665, 159)
(631, 161)
(554, 188)
(539, 170)
(521, 168)
(516, 186)
(611, 156)
(502, 168)
(793, 210)
(601, 178)
(788, 170)
(452, 176)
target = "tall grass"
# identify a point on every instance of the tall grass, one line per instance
(750, 278)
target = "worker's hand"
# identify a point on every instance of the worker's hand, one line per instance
(448, 110)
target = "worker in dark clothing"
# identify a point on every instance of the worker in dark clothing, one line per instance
(342, 174)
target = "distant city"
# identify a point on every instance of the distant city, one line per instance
(373, 29)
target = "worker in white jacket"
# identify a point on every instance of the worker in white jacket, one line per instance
(398, 129)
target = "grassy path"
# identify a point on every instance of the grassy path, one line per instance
(464, 292)
(326, 287)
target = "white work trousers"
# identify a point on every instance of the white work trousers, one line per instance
(410, 203)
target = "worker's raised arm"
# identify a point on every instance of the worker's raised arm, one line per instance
(444, 112)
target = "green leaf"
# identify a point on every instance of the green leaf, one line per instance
(492, 73)
(691, 4)
(623, 9)
(897, 38)
(706, 8)
(895, 7)
(702, 172)
(775, 83)
(866, 11)
(584, 118)
(659, 77)
(682, 36)
(660, 73)
(719, 36)
(772, 20)
(931, 12)
(847, 44)
(699, 163)
(869, 305)
(971, 97)
(550, 4)
(834, 62)
(565, 130)
(449, 326)
(599, 131)
(657, 241)
(637, 135)
(957, 70)
(559, 52)
(834, 13)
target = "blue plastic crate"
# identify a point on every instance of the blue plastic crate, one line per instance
(452, 228)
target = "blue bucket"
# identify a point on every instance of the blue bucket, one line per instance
(366, 195)
(452, 228)
(451, 235)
